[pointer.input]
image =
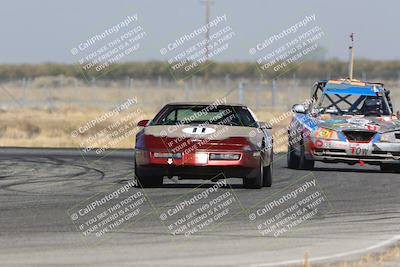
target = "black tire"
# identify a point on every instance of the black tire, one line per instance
(267, 179)
(386, 167)
(146, 181)
(390, 168)
(396, 168)
(293, 160)
(257, 181)
(304, 163)
(149, 181)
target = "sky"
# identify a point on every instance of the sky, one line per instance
(39, 31)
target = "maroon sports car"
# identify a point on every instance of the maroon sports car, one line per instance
(204, 141)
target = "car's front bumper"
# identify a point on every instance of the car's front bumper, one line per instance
(349, 152)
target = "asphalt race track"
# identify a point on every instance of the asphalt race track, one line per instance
(41, 188)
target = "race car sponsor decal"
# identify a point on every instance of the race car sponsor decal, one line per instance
(319, 143)
(373, 127)
(328, 144)
(307, 122)
(340, 145)
(358, 121)
(325, 116)
(336, 121)
(340, 125)
(324, 133)
(384, 119)
(359, 150)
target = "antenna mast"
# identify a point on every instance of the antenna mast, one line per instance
(351, 60)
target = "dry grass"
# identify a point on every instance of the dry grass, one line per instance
(388, 258)
(53, 128)
(45, 128)
(62, 110)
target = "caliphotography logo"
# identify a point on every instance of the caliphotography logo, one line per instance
(199, 133)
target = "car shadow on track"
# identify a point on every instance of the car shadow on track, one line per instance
(357, 170)
(198, 185)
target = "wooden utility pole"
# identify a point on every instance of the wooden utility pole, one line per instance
(208, 10)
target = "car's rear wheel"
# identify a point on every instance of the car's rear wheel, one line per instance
(149, 181)
(293, 160)
(145, 180)
(267, 179)
(304, 163)
(255, 181)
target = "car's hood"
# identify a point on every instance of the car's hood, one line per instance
(340, 123)
(181, 137)
(214, 132)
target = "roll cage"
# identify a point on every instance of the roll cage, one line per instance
(318, 94)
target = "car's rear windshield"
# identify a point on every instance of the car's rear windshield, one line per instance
(204, 114)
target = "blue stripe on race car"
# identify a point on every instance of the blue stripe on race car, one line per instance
(347, 89)
(376, 138)
(308, 122)
(342, 137)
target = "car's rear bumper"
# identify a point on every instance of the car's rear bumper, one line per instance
(198, 165)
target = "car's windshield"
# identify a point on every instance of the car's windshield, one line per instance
(345, 104)
(203, 114)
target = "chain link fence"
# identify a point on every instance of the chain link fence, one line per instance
(57, 92)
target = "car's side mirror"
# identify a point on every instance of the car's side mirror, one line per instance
(142, 123)
(265, 125)
(299, 108)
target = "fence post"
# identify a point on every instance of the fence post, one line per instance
(194, 82)
(296, 92)
(62, 82)
(363, 76)
(49, 97)
(186, 88)
(258, 87)
(398, 79)
(227, 82)
(240, 92)
(159, 81)
(23, 96)
(273, 94)
(93, 90)
(79, 93)
(127, 82)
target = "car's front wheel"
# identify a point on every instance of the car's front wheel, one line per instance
(293, 160)
(304, 163)
(390, 168)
